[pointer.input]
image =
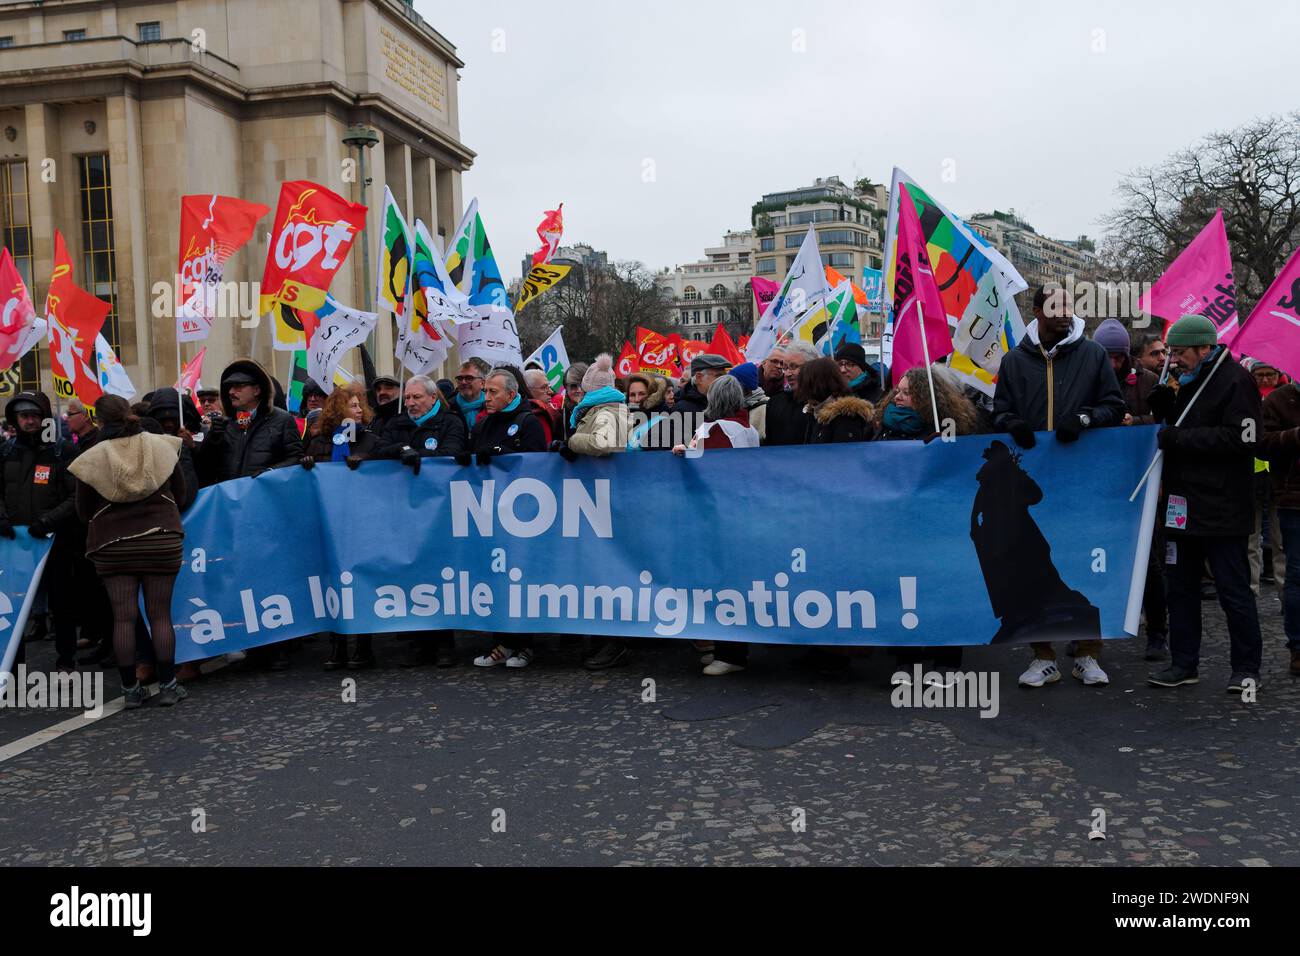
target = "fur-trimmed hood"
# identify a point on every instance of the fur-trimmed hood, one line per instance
(128, 469)
(833, 408)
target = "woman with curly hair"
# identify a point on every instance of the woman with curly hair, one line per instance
(906, 412)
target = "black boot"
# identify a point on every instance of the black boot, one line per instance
(338, 653)
(363, 657)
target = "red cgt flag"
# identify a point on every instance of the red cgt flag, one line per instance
(75, 318)
(313, 233)
(20, 329)
(657, 353)
(212, 230)
(626, 364)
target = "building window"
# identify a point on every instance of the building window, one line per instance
(6, 42)
(100, 271)
(686, 317)
(794, 240)
(767, 245)
(765, 267)
(149, 32)
(838, 260)
(74, 34)
(16, 234)
(842, 237)
(816, 215)
(719, 291)
(690, 295)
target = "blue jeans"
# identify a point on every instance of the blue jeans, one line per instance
(1230, 567)
(1289, 519)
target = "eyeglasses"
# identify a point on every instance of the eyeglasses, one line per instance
(469, 378)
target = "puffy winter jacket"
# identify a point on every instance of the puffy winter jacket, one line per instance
(1281, 444)
(37, 485)
(441, 436)
(602, 430)
(271, 440)
(787, 422)
(513, 431)
(1042, 390)
(844, 419)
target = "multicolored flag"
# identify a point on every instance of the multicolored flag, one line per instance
(313, 233)
(627, 362)
(541, 278)
(1272, 332)
(112, 376)
(75, 318)
(191, 375)
(834, 279)
(338, 331)
(723, 345)
(472, 267)
(842, 310)
(213, 228)
(920, 324)
(20, 328)
(803, 292)
(422, 337)
(976, 283)
(550, 232)
(395, 254)
(553, 357)
(1198, 282)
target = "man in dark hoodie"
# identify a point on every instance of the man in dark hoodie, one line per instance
(386, 399)
(165, 409)
(1057, 380)
(863, 379)
(37, 491)
(254, 436)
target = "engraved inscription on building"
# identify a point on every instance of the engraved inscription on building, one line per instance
(407, 66)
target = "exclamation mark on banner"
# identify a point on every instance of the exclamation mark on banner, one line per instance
(908, 588)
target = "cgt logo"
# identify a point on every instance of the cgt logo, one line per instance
(299, 243)
(75, 910)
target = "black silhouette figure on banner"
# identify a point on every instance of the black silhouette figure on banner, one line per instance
(1024, 587)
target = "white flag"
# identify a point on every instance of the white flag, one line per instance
(804, 290)
(112, 376)
(552, 356)
(340, 331)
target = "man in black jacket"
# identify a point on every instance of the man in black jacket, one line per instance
(863, 380)
(37, 491)
(385, 395)
(427, 429)
(253, 436)
(787, 422)
(1208, 500)
(1057, 380)
(508, 423)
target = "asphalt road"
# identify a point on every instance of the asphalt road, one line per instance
(557, 766)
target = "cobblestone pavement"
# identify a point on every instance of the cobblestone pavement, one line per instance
(581, 770)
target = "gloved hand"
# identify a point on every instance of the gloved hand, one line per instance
(555, 445)
(485, 457)
(1162, 399)
(1069, 429)
(354, 462)
(38, 529)
(7, 529)
(1167, 438)
(308, 463)
(411, 459)
(464, 459)
(1021, 433)
(217, 429)
(567, 453)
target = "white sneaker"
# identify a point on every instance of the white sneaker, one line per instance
(234, 657)
(721, 669)
(521, 659)
(1089, 671)
(1040, 673)
(488, 660)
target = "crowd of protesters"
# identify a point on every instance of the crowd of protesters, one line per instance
(112, 487)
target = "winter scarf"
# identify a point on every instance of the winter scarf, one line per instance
(601, 396)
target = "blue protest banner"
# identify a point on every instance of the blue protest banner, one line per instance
(773, 545)
(21, 562)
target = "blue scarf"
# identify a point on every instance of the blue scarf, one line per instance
(905, 421)
(858, 381)
(1190, 377)
(601, 396)
(429, 415)
(341, 448)
(513, 405)
(470, 409)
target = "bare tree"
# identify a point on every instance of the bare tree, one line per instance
(1252, 173)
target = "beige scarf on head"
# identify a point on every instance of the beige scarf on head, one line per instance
(128, 469)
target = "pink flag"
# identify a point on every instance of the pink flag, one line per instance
(20, 329)
(1199, 282)
(189, 380)
(915, 289)
(550, 231)
(1272, 332)
(764, 291)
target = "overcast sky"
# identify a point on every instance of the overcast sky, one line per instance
(1040, 107)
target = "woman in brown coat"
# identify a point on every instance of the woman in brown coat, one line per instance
(128, 485)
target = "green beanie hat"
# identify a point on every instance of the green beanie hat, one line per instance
(1192, 330)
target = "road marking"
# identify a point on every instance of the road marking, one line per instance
(116, 706)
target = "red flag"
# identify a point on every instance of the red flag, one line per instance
(550, 231)
(626, 364)
(690, 348)
(314, 231)
(75, 318)
(656, 353)
(212, 230)
(189, 380)
(724, 346)
(916, 291)
(834, 279)
(20, 329)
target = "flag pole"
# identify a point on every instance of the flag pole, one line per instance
(929, 372)
(180, 386)
(1159, 456)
